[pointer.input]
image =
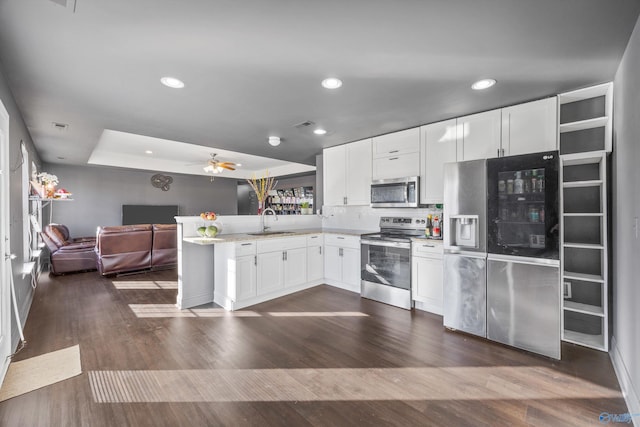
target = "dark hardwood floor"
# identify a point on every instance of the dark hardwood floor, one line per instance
(323, 356)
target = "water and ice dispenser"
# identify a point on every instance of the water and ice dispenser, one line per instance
(465, 231)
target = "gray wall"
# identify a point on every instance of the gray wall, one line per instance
(100, 192)
(17, 132)
(626, 208)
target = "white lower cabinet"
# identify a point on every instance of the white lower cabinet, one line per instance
(315, 258)
(427, 276)
(295, 267)
(270, 272)
(342, 261)
(251, 272)
(246, 276)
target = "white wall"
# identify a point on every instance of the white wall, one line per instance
(626, 209)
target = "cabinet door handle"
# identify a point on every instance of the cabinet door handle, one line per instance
(284, 256)
(313, 237)
(498, 153)
(393, 151)
(428, 246)
(340, 252)
(502, 151)
(246, 244)
(255, 260)
(340, 238)
(393, 158)
(320, 247)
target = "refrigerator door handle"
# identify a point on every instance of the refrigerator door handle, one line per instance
(525, 260)
(454, 251)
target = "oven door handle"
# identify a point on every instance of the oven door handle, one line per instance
(386, 244)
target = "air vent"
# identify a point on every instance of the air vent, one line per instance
(60, 126)
(304, 125)
(69, 4)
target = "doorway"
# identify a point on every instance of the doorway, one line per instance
(5, 247)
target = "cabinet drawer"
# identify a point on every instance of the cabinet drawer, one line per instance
(396, 166)
(406, 141)
(281, 244)
(315, 240)
(431, 249)
(246, 248)
(344, 241)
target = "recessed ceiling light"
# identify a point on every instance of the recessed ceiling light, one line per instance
(274, 140)
(483, 84)
(319, 131)
(238, 164)
(172, 82)
(331, 83)
(149, 152)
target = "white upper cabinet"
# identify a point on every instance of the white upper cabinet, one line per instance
(395, 155)
(358, 182)
(347, 174)
(391, 144)
(437, 147)
(334, 161)
(478, 135)
(529, 128)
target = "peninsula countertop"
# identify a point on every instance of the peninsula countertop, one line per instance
(274, 234)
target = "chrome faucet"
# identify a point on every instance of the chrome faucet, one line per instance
(263, 228)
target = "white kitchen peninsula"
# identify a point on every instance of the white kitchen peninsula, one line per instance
(239, 268)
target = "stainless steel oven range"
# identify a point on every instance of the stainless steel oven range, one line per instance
(386, 261)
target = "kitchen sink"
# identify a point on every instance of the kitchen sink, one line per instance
(268, 233)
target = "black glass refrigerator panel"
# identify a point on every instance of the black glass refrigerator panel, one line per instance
(522, 205)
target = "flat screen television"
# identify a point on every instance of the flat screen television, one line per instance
(149, 214)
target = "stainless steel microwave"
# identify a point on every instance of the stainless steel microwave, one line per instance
(395, 193)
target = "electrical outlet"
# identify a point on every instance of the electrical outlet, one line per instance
(567, 290)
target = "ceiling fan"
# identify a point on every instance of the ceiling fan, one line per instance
(216, 166)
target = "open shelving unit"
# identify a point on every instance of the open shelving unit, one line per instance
(289, 201)
(585, 118)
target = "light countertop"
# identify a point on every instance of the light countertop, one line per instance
(239, 237)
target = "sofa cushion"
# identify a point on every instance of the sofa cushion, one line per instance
(124, 248)
(164, 252)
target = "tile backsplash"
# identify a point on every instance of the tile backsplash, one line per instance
(366, 217)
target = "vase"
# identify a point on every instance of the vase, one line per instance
(260, 207)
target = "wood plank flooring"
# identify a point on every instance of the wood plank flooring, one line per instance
(321, 357)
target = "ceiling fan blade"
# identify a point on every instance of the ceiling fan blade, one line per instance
(226, 166)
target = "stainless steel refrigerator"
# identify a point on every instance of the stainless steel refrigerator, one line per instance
(523, 267)
(465, 249)
(501, 260)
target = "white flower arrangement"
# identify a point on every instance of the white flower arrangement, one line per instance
(48, 179)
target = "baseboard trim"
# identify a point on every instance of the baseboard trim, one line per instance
(194, 300)
(626, 383)
(344, 286)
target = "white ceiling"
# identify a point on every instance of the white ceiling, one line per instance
(253, 68)
(128, 150)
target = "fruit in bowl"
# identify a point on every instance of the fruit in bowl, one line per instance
(62, 194)
(210, 216)
(211, 231)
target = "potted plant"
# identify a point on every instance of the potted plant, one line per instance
(305, 209)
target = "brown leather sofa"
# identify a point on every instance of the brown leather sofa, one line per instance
(128, 248)
(66, 254)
